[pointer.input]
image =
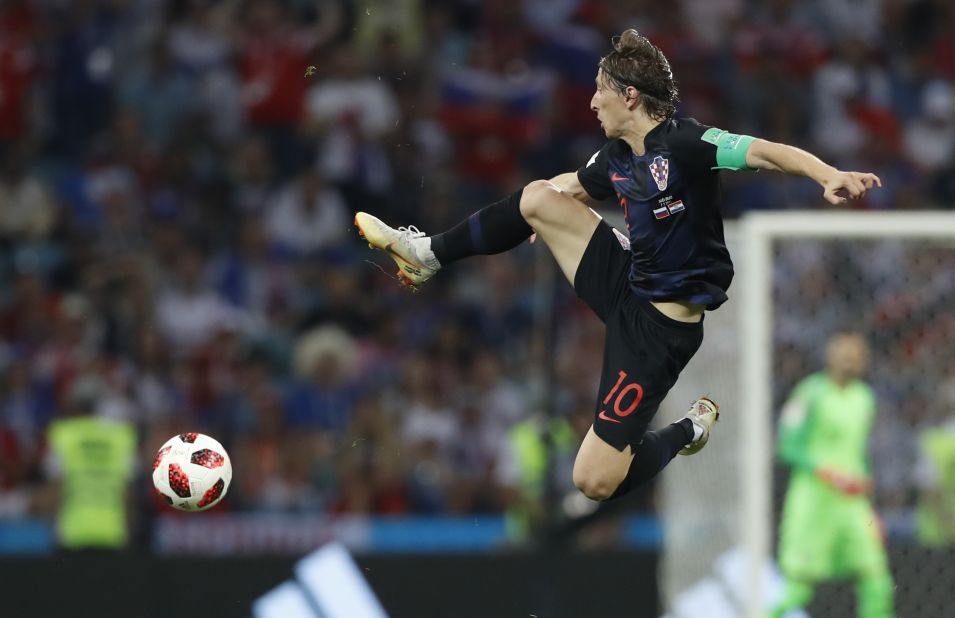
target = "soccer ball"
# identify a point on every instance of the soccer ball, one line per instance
(192, 472)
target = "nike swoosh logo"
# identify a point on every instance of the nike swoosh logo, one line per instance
(603, 415)
(413, 267)
(615, 177)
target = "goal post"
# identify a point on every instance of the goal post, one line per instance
(760, 231)
(720, 512)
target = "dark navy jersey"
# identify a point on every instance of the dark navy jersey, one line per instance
(671, 201)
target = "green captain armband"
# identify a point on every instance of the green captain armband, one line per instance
(731, 148)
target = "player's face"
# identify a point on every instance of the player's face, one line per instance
(848, 356)
(611, 107)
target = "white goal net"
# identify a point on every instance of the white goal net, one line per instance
(801, 277)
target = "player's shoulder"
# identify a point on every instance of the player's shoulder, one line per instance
(616, 147)
(612, 148)
(684, 137)
(810, 385)
(684, 128)
(865, 391)
(687, 123)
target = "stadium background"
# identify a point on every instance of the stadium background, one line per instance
(175, 229)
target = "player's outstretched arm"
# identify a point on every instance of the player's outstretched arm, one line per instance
(792, 440)
(838, 186)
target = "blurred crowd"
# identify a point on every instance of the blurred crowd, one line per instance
(178, 177)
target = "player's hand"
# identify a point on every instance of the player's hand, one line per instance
(856, 487)
(840, 186)
(847, 484)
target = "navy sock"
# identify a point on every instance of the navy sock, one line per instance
(493, 229)
(653, 453)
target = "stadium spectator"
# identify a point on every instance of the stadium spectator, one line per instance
(160, 94)
(82, 74)
(275, 49)
(930, 137)
(352, 114)
(27, 408)
(251, 175)
(28, 211)
(20, 68)
(307, 215)
(188, 314)
(853, 95)
(253, 275)
(325, 393)
(493, 108)
(371, 451)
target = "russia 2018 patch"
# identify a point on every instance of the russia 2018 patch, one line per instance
(660, 170)
(661, 213)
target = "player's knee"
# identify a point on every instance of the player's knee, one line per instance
(534, 199)
(595, 486)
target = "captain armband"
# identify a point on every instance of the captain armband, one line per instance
(731, 148)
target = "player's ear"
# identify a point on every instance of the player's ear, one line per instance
(632, 97)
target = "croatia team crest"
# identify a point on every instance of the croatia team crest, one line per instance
(660, 170)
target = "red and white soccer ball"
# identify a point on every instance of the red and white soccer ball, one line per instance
(192, 472)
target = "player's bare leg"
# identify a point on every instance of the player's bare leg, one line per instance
(562, 222)
(600, 468)
(566, 226)
(602, 472)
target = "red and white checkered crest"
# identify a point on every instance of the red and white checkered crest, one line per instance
(660, 170)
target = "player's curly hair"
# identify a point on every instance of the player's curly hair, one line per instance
(637, 62)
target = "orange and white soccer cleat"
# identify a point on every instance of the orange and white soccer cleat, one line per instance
(703, 413)
(407, 246)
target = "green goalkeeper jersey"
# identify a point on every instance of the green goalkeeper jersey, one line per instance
(827, 425)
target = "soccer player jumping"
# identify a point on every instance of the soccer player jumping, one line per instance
(650, 287)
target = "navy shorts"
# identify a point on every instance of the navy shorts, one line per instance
(644, 350)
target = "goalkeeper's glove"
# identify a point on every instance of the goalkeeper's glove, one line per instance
(847, 484)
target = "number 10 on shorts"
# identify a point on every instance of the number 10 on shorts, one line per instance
(623, 395)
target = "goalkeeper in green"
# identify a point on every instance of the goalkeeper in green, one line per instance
(829, 529)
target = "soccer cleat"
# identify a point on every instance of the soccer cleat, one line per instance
(703, 413)
(407, 246)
